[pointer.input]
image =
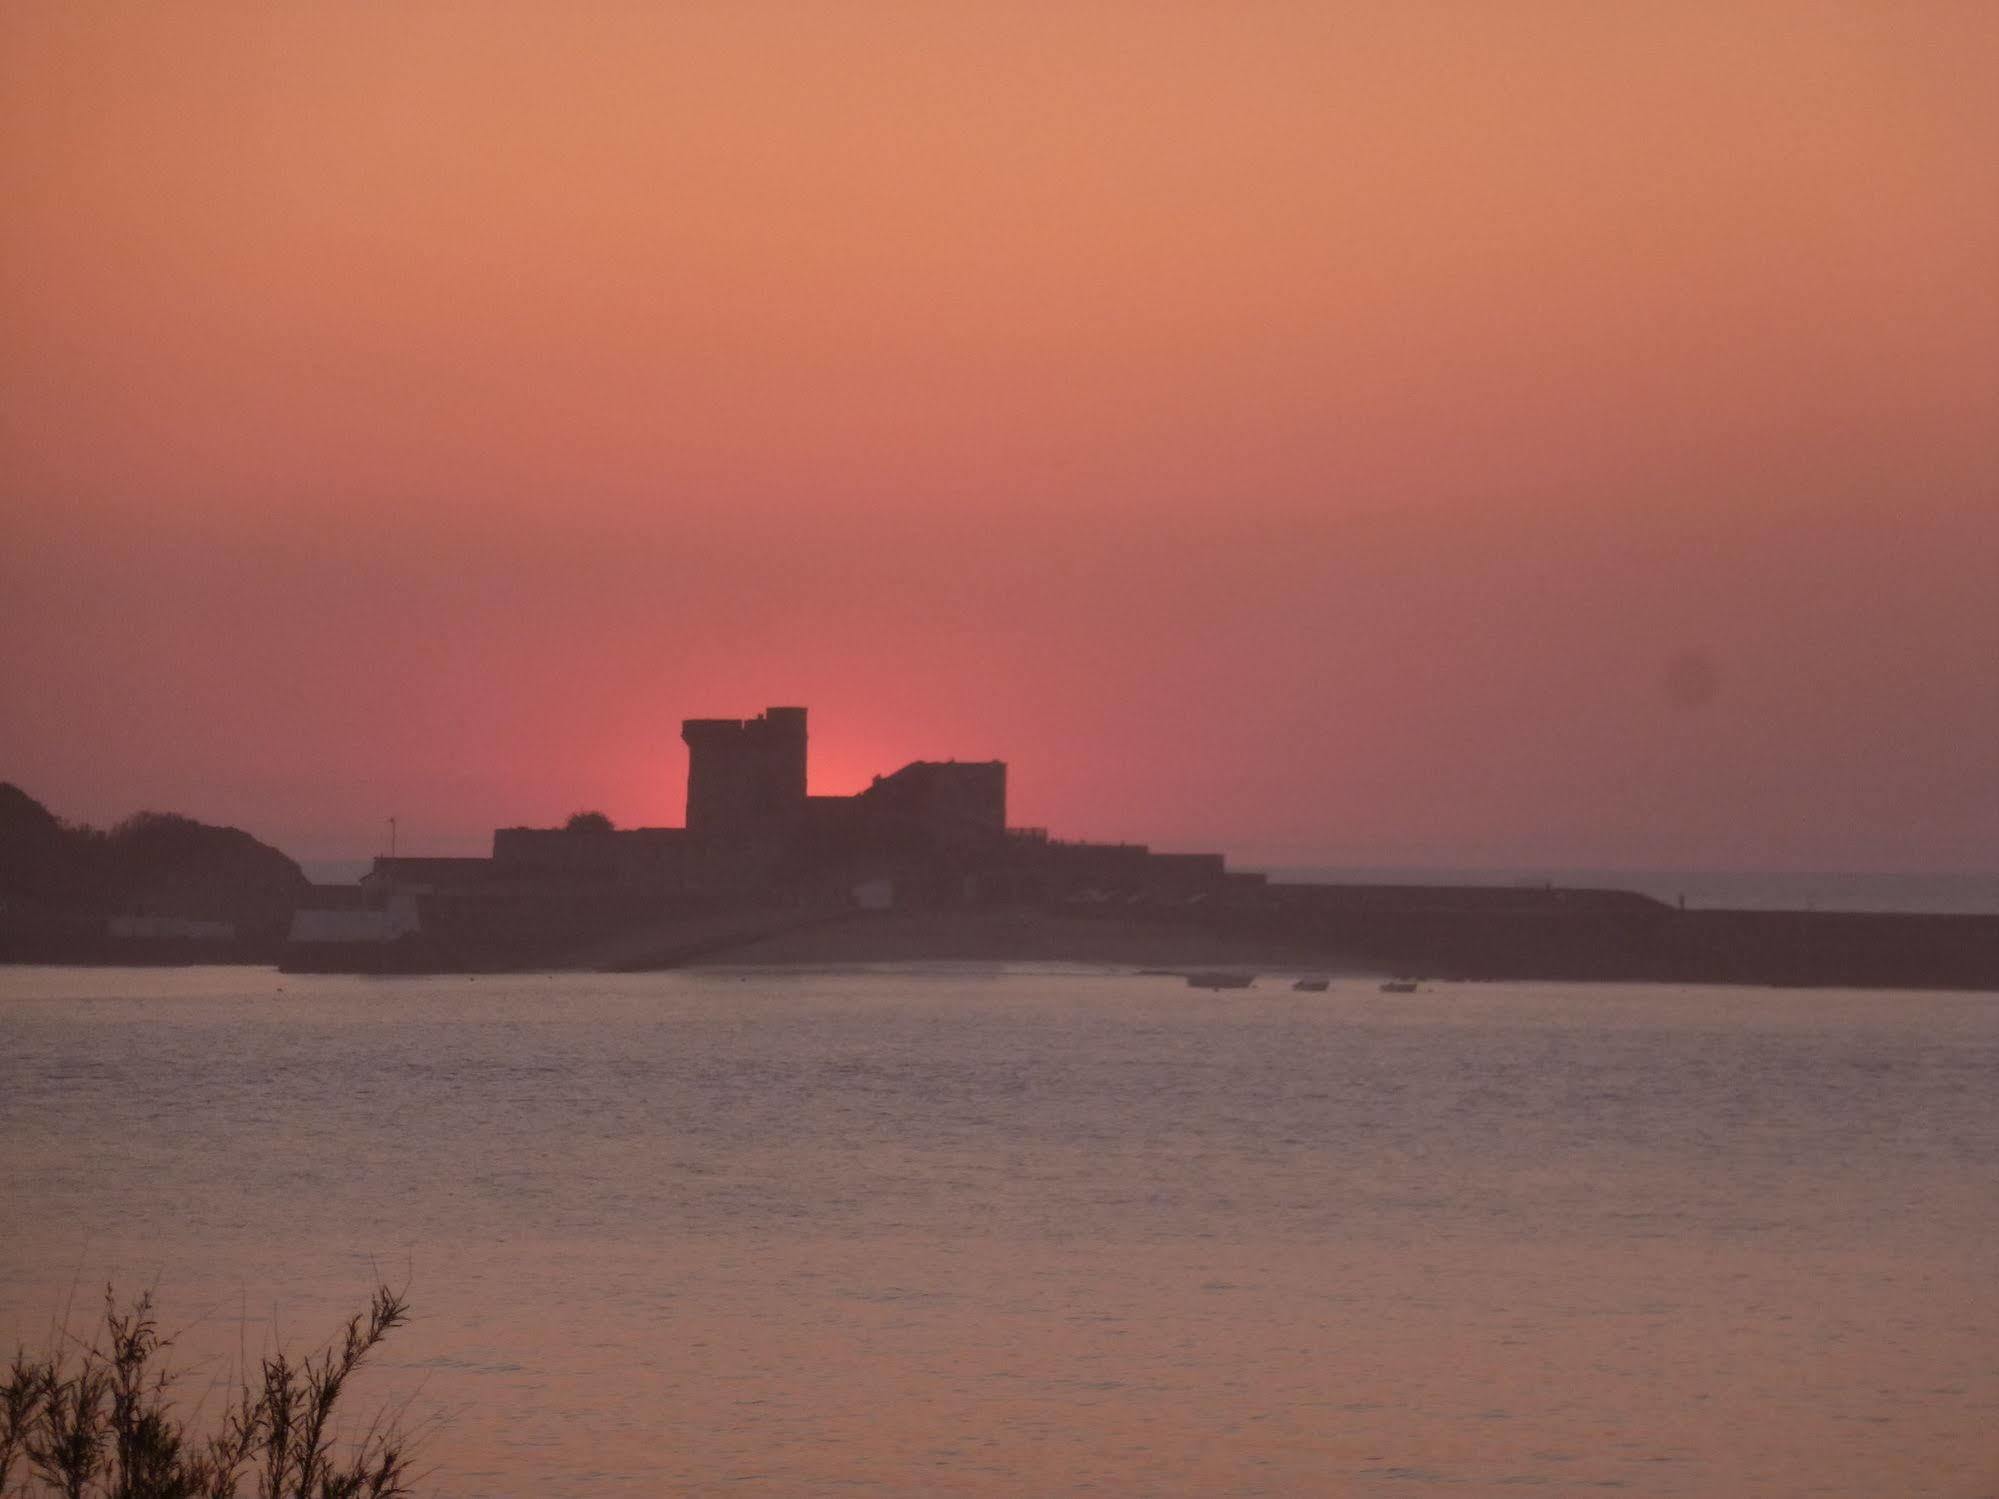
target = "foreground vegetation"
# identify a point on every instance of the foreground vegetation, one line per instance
(98, 1422)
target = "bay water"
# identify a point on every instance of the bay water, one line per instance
(1015, 1230)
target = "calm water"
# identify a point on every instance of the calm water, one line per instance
(948, 1232)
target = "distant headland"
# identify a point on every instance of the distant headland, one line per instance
(922, 864)
(157, 887)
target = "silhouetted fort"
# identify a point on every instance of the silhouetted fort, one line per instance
(760, 856)
(921, 864)
(746, 789)
(758, 851)
(752, 822)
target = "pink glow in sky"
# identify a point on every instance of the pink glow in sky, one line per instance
(1544, 433)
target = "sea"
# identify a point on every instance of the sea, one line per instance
(1042, 1230)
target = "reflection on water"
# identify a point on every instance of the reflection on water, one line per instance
(949, 1232)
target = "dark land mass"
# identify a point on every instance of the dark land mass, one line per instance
(1430, 932)
(157, 888)
(922, 866)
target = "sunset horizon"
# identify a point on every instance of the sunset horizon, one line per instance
(956, 747)
(1533, 436)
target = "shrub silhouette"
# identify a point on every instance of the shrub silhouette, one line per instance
(100, 1425)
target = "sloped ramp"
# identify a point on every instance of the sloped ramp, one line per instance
(674, 942)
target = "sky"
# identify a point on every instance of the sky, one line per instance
(1470, 435)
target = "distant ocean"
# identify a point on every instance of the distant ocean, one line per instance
(1707, 889)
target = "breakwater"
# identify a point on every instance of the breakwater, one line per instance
(1552, 933)
(1445, 932)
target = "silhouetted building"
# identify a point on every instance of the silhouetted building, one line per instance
(661, 857)
(1053, 869)
(745, 777)
(958, 806)
(932, 833)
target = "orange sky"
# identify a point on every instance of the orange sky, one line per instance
(1310, 430)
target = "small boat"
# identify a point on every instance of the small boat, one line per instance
(1313, 985)
(1399, 986)
(1220, 980)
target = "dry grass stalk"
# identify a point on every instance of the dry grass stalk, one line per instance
(99, 1424)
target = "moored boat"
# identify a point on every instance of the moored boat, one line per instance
(1220, 980)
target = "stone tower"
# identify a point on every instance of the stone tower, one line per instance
(745, 777)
